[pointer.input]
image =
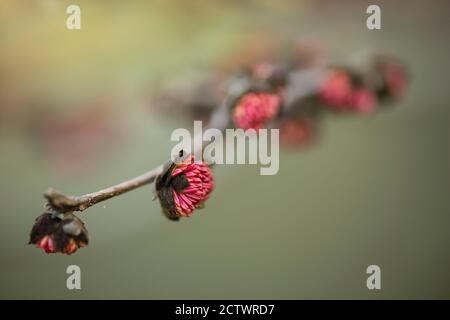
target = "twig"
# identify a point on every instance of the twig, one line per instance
(63, 203)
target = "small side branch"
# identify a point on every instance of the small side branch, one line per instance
(63, 203)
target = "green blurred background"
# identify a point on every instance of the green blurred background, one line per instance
(74, 115)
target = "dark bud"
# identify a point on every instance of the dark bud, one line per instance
(63, 233)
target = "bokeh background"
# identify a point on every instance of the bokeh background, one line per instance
(75, 115)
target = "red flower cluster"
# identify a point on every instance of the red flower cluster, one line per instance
(255, 109)
(338, 92)
(48, 245)
(184, 187)
(352, 89)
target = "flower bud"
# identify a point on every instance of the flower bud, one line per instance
(184, 186)
(63, 233)
(394, 78)
(336, 90)
(362, 101)
(346, 90)
(298, 131)
(255, 109)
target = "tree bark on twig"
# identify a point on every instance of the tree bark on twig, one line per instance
(63, 203)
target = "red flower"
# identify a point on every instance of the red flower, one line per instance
(184, 187)
(336, 90)
(362, 101)
(299, 131)
(46, 243)
(340, 93)
(254, 110)
(63, 233)
(396, 79)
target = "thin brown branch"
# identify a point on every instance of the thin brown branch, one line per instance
(60, 202)
(63, 203)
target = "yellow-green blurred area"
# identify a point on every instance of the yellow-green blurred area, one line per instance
(75, 114)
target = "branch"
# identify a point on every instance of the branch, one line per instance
(63, 203)
(339, 90)
(303, 84)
